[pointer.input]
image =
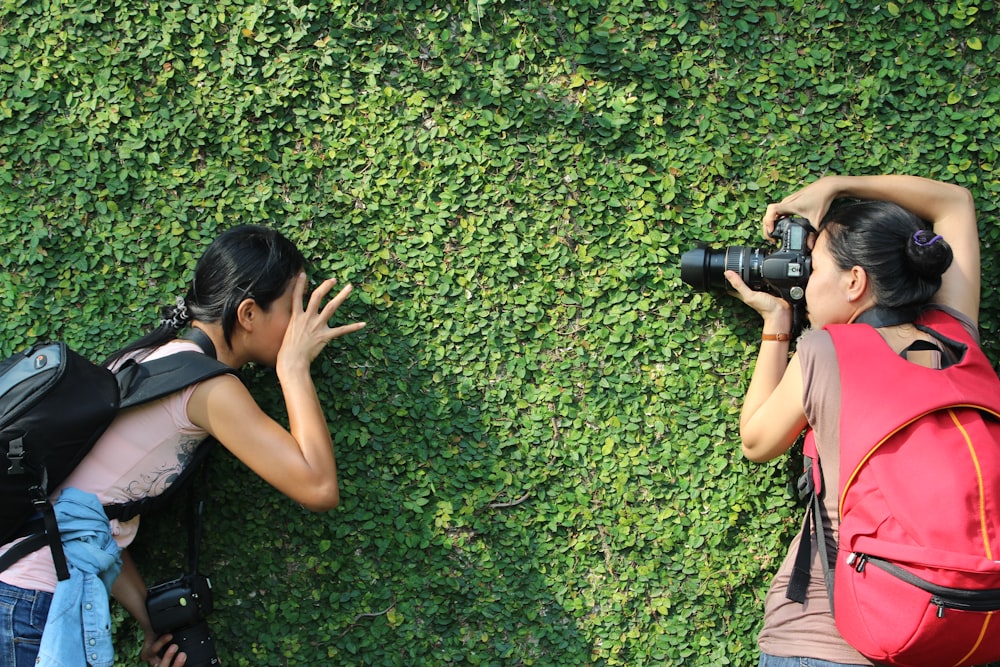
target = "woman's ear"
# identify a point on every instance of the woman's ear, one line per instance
(857, 285)
(245, 314)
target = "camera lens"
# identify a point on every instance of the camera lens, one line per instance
(698, 266)
(704, 268)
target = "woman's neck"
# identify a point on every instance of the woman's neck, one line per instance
(224, 352)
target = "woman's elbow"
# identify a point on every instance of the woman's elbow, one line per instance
(963, 196)
(754, 448)
(754, 453)
(323, 498)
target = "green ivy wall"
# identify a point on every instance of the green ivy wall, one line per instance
(537, 431)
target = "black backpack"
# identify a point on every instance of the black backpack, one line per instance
(54, 405)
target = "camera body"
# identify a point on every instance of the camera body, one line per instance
(783, 272)
(180, 607)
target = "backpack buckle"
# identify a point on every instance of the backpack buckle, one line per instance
(15, 454)
(804, 485)
(39, 493)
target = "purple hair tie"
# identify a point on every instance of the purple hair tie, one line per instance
(923, 244)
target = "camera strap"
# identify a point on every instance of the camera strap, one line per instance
(197, 509)
(196, 493)
(878, 316)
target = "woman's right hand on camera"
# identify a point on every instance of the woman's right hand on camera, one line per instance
(777, 313)
(153, 646)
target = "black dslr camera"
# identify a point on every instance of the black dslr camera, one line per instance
(180, 607)
(783, 272)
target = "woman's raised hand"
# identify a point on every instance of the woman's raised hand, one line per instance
(811, 202)
(308, 329)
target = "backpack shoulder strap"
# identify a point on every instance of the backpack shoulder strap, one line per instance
(201, 339)
(812, 530)
(150, 380)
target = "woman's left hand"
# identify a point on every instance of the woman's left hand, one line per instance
(309, 331)
(153, 646)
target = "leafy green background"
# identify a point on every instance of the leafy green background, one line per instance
(536, 432)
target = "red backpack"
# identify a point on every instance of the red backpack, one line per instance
(917, 575)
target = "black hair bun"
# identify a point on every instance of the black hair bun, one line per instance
(928, 254)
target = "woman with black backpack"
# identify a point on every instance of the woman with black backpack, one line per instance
(248, 296)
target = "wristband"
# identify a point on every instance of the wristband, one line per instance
(779, 337)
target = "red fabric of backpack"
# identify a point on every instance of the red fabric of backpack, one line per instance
(917, 575)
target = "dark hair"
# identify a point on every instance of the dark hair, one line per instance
(904, 259)
(245, 262)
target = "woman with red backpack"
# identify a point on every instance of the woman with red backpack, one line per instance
(901, 246)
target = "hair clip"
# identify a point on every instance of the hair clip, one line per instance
(178, 315)
(917, 238)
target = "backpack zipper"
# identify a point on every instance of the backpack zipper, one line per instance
(942, 597)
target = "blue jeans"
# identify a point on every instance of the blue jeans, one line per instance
(22, 619)
(772, 661)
